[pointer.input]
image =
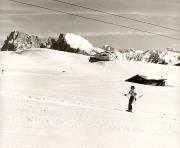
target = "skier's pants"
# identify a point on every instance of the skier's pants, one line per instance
(131, 99)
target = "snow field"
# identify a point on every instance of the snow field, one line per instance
(43, 107)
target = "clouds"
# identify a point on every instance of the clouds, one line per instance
(45, 23)
(117, 33)
(6, 21)
(88, 13)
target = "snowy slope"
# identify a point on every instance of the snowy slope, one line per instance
(52, 99)
(39, 58)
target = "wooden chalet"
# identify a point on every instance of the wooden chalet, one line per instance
(146, 81)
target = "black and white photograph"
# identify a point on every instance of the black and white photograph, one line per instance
(89, 74)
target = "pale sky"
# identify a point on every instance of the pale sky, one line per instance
(45, 23)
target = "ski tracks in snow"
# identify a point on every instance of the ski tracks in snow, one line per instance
(51, 100)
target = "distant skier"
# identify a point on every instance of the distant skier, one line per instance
(132, 98)
(2, 70)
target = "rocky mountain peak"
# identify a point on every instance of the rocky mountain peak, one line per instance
(19, 41)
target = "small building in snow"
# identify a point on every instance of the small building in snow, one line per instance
(147, 81)
(178, 64)
(103, 56)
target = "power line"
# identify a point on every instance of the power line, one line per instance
(97, 20)
(124, 17)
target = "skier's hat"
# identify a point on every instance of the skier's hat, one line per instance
(132, 87)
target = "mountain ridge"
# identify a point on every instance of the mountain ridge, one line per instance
(69, 42)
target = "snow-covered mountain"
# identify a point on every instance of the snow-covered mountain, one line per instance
(65, 42)
(19, 41)
(76, 44)
(70, 43)
(150, 56)
(166, 56)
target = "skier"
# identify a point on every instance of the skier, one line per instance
(132, 94)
